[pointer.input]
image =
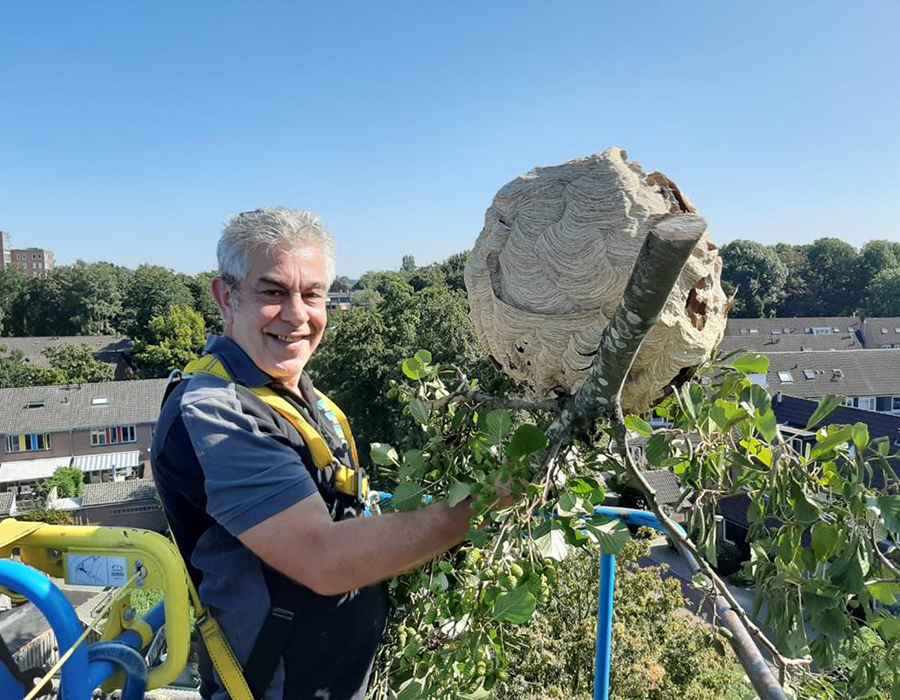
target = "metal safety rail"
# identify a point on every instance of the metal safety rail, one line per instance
(119, 559)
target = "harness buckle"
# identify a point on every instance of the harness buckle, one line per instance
(360, 481)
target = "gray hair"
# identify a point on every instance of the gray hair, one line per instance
(270, 227)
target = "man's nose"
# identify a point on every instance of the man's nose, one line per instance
(294, 310)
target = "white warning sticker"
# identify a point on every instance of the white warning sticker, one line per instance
(95, 570)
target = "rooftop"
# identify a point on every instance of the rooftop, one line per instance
(118, 492)
(48, 409)
(878, 332)
(106, 348)
(789, 326)
(790, 342)
(840, 372)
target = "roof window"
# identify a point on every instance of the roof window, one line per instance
(786, 377)
(99, 401)
(743, 331)
(754, 330)
(809, 374)
(884, 331)
(775, 331)
(39, 403)
(897, 330)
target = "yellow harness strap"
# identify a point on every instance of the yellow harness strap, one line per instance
(223, 658)
(351, 482)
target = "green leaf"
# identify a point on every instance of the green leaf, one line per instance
(657, 450)
(767, 424)
(846, 573)
(407, 496)
(832, 622)
(383, 454)
(553, 543)
(759, 398)
(825, 540)
(413, 368)
(413, 689)
(825, 409)
(413, 465)
(611, 535)
(440, 582)
(458, 492)
(424, 357)
(527, 440)
(569, 504)
(860, 435)
(885, 592)
(638, 425)
(497, 424)
(805, 510)
(751, 363)
(890, 512)
(419, 411)
(517, 606)
(838, 437)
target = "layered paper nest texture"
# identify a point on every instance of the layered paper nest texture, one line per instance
(551, 265)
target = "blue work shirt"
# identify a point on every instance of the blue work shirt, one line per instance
(224, 462)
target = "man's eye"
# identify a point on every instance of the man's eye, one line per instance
(272, 293)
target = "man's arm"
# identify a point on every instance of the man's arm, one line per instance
(330, 557)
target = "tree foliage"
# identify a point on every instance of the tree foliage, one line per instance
(759, 275)
(68, 482)
(69, 364)
(152, 292)
(170, 341)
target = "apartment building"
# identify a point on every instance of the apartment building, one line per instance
(34, 261)
(104, 429)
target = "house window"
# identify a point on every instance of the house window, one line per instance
(99, 401)
(113, 435)
(896, 404)
(786, 377)
(866, 402)
(128, 510)
(29, 442)
(820, 330)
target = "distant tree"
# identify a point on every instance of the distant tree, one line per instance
(43, 514)
(365, 346)
(153, 291)
(14, 372)
(795, 300)
(35, 309)
(78, 364)
(341, 284)
(833, 281)
(12, 282)
(876, 257)
(170, 342)
(882, 295)
(409, 263)
(757, 273)
(200, 286)
(454, 267)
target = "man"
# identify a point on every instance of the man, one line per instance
(270, 537)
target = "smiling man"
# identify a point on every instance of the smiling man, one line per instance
(260, 483)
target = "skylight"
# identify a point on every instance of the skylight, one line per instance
(786, 377)
(809, 374)
(39, 403)
(754, 330)
(99, 401)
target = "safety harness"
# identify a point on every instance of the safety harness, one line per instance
(251, 682)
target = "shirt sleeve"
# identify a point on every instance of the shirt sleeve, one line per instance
(251, 472)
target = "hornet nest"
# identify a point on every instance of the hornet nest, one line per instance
(550, 268)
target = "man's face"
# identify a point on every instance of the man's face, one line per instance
(278, 314)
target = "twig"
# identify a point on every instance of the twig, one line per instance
(677, 535)
(473, 396)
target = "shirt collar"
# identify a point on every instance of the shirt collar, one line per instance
(238, 363)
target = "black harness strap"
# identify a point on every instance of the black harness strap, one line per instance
(275, 633)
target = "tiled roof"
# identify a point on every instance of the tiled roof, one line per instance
(860, 373)
(56, 408)
(118, 492)
(106, 348)
(665, 483)
(789, 326)
(878, 332)
(791, 342)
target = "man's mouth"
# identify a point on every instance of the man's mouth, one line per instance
(288, 338)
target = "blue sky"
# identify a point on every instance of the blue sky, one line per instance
(129, 131)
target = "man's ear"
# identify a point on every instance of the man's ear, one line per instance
(226, 299)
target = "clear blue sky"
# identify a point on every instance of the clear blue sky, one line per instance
(130, 130)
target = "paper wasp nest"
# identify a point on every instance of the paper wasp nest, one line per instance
(550, 268)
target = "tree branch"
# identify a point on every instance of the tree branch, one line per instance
(658, 265)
